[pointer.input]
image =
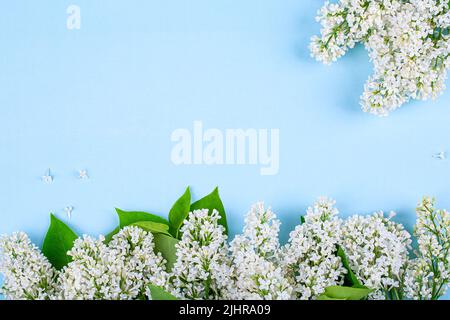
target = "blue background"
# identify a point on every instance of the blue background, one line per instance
(107, 98)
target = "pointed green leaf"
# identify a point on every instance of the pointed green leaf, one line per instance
(158, 293)
(302, 219)
(179, 212)
(166, 245)
(129, 217)
(347, 293)
(212, 201)
(58, 241)
(350, 278)
(153, 227)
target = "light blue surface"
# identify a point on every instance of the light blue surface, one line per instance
(107, 97)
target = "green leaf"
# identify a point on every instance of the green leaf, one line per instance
(302, 219)
(166, 245)
(159, 293)
(346, 293)
(212, 201)
(153, 227)
(58, 241)
(179, 212)
(350, 278)
(129, 217)
(325, 297)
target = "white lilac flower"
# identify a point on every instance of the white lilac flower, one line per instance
(440, 155)
(47, 178)
(428, 276)
(120, 270)
(69, 210)
(83, 174)
(28, 275)
(408, 43)
(310, 256)
(202, 269)
(377, 250)
(255, 254)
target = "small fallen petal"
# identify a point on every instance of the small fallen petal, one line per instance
(82, 174)
(47, 178)
(68, 211)
(441, 155)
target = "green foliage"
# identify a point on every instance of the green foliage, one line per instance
(350, 278)
(353, 289)
(212, 201)
(179, 212)
(129, 217)
(167, 232)
(159, 293)
(166, 245)
(344, 293)
(153, 227)
(58, 241)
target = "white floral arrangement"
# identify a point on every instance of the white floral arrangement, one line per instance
(188, 257)
(408, 43)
